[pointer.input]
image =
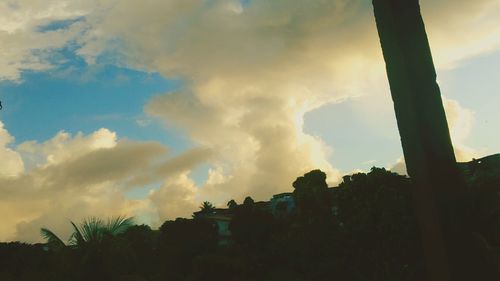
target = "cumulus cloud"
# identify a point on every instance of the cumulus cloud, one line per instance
(25, 45)
(182, 38)
(176, 197)
(459, 30)
(11, 164)
(73, 177)
(180, 164)
(250, 72)
(63, 147)
(460, 123)
(399, 166)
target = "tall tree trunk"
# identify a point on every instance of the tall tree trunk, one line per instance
(428, 151)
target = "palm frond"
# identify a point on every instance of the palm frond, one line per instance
(93, 229)
(76, 237)
(118, 225)
(52, 239)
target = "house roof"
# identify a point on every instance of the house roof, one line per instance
(281, 195)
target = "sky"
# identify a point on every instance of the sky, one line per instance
(148, 109)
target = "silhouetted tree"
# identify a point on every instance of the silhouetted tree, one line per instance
(252, 226)
(92, 230)
(20, 261)
(367, 233)
(377, 226)
(142, 244)
(182, 240)
(248, 201)
(96, 246)
(207, 207)
(232, 204)
(312, 197)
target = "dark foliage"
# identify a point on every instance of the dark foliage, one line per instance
(312, 197)
(364, 229)
(181, 241)
(252, 226)
(377, 224)
(206, 207)
(248, 201)
(231, 204)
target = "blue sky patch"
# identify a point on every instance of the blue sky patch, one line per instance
(58, 25)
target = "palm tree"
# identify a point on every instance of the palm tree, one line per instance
(53, 241)
(207, 207)
(92, 230)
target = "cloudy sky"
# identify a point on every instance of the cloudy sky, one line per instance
(147, 108)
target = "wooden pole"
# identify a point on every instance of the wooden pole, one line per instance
(427, 147)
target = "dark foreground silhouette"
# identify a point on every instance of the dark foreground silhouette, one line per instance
(364, 229)
(440, 196)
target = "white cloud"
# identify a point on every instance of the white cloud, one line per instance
(461, 121)
(252, 77)
(399, 166)
(23, 46)
(252, 72)
(176, 197)
(459, 30)
(63, 147)
(11, 164)
(73, 177)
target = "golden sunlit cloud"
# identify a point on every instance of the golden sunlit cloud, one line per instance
(73, 177)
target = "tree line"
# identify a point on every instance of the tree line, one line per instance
(363, 229)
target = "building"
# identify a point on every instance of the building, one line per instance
(282, 204)
(221, 218)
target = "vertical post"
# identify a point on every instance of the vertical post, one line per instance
(424, 133)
